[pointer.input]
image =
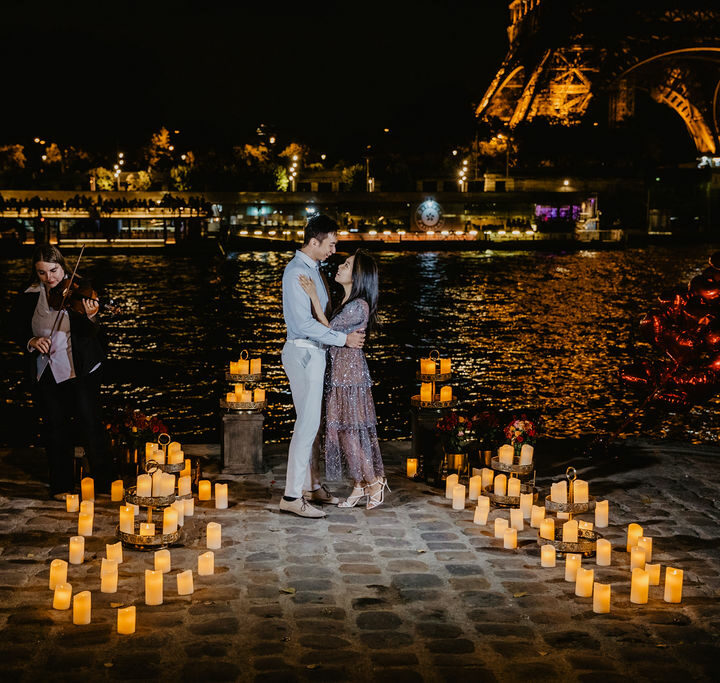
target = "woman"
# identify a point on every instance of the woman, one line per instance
(64, 354)
(350, 422)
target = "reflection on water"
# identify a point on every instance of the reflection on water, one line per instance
(524, 329)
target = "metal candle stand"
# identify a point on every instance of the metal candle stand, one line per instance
(510, 501)
(243, 406)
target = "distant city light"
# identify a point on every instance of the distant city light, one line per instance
(295, 158)
(566, 182)
(372, 232)
(37, 139)
(454, 152)
(272, 140)
(323, 156)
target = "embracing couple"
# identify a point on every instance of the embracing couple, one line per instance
(321, 335)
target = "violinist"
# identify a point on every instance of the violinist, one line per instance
(60, 335)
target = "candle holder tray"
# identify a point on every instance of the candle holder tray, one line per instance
(173, 468)
(435, 377)
(437, 403)
(570, 508)
(232, 377)
(142, 542)
(509, 501)
(586, 544)
(132, 498)
(515, 468)
(253, 406)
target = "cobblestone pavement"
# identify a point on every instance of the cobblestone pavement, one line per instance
(411, 591)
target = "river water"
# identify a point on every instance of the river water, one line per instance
(523, 329)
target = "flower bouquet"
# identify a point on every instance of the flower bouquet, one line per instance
(456, 432)
(131, 430)
(521, 430)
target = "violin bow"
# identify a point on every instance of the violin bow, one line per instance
(65, 295)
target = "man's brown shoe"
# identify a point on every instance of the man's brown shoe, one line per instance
(322, 495)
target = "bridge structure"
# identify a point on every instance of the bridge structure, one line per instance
(563, 53)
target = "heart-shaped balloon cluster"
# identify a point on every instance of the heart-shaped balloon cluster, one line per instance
(686, 328)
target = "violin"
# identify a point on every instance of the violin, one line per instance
(69, 294)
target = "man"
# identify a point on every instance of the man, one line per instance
(303, 358)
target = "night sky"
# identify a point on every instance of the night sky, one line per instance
(331, 75)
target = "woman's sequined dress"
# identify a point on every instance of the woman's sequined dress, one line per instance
(351, 441)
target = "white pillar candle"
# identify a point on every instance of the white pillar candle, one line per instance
(87, 506)
(147, 528)
(601, 514)
(653, 571)
(159, 456)
(85, 524)
(206, 563)
(547, 555)
(458, 499)
(516, 519)
(510, 539)
(637, 558)
(204, 490)
(450, 482)
(169, 487)
(603, 552)
(505, 454)
(645, 542)
(558, 492)
(526, 454)
(184, 485)
(72, 502)
(58, 573)
(634, 531)
(572, 562)
(427, 366)
(446, 393)
(170, 520)
(526, 504)
(144, 486)
(77, 550)
(117, 490)
(108, 576)
(426, 392)
(157, 483)
(500, 485)
(127, 519)
(411, 467)
(221, 496)
(179, 507)
(444, 365)
(126, 620)
(487, 477)
(582, 524)
(481, 515)
(580, 491)
(82, 608)
(187, 470)
(513, 487)
(501, 524)
(214, 535)
(189, 507)
(175, 458)
(150, 449)
(113, 551)
(584, 580)
(255, 366)
(601, 598)
(87, 488)
(185, 582)
(474, 487)
(673, 584)
(62, 597)
(484, 503)
(153, 587)
(162, 561)
(547, 528)
(639, 586)
(562, 515)
(570, 531)
(537, 514)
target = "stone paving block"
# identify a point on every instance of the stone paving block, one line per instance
(386, 659)
(222, 626)
(271, 664)
(404, 581)
(385, 640)
(356, 568)
(398, 676)
(377, 620)
(434, 629)
(324, 643)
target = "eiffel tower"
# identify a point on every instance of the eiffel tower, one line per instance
(563, 53)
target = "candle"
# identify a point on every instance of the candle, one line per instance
(175, 458)
(87, 488)
(639, 586)
(259, 395)
(510, 539)
(186, 471)
(108, 576)
(572, 562)
(58, 573)
(487, 477)
(526, 504)
(601, 514)
(153, 587)
(206, 563)
(239, 388)
(230, 397)
(117, 490)
(570, 531)
(127, 519)
(162, 561)
(505, 454)
(526, 454)
(159, 456)
(645, 542)
(426, 392)
(603, 552)
(204, 489)
(634, 531)
(85, 524)
(427, 366)
(179, 507)
(558, 492)
(513, 487)
(147, 529)
(580, 491)
(584, 580)
(170, 520)
(601, 598)
(446, 393)
(82, 606)
(255, 365)
(449, 484)
(537, 514)
(501, 525)
(87, 506)
(62, 596)
(562, 515)
(221, 496)
(150, 449)
(234, 367)
(653, 571)
(673, 584)
(582, 524)
(189, 507)
(481, 515)
(72, 502)
(547, 528)
(516, 519)
(185, 582)
(214, 534)
(168, 480)
(144, 486)
(445, 366)
(637, 558)
(500, 485)
(547, 555)
(157, 483)
(474, 486)
(243, 367)
(247, 396)
(126, 620)
(412, 465)
(184, 485)
(77, 550)
(113, 551)
(174, 447)
(458, 498)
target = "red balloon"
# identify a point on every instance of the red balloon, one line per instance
(681, 347)
(637, 375)
(712, 274)
(701, 286)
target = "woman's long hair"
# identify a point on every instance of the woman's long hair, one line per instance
(364, 286)
(50, 254)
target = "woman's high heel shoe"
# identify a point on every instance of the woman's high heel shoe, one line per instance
(358, 493)
(376, 493)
